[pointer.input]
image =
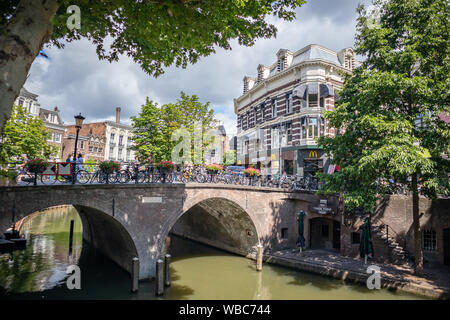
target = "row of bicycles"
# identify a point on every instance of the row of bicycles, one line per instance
(141, 175)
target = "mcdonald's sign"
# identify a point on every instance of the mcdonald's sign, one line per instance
(313, 154)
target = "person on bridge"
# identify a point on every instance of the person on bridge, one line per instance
(79, 163)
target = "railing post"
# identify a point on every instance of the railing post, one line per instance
(71, 236)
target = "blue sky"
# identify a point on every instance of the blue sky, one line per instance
(76, 81)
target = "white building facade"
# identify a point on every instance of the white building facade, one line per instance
(118, 140)
(280, 114)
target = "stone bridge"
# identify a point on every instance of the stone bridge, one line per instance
(126, 221)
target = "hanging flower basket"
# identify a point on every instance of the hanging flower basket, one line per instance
(109, 167)
(36, 165)
(214, 168)
(252, 172)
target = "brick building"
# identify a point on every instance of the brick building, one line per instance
(106, 140)
(279, 115)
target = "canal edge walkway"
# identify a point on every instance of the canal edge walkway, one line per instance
(348, 269)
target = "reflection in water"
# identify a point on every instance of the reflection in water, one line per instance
(42, 265)
(198, 271)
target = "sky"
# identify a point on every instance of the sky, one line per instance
(75, 80)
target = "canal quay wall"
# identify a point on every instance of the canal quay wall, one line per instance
(434, 283)
(128, 221)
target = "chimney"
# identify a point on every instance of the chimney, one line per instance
(118, 115)
(56, 109)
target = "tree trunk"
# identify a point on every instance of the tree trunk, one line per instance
(418, 256)
(20, 43)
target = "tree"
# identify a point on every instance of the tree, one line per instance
(229, 158)
(155, 34)
(155, 126)
(24, 135)
(389, 115)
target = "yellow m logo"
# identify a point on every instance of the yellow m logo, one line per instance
(313, 154)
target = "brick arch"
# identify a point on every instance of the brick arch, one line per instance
(104, 232)
(224, 212)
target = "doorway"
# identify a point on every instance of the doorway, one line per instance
(336, 235)
(447, 246)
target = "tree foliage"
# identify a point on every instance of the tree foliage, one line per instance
(156, 34)
(155, 125)
(25, 135)
(390, 117)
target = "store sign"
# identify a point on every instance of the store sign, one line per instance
(258, 159)
(322, 208)
(313, 154)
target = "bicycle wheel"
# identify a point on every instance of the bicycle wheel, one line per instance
(47, 179)
(26, 179)
(200, 178)
(83, 176)
(123, 176)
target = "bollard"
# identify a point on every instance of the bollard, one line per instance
(159, 278)
(134, 274)
(167, 268)
(71, 237)
(259, 257)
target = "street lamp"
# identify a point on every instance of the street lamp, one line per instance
(78, 124)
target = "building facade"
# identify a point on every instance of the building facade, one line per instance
(280, 113)
(99, 141)
(55, 125)
(51, 118)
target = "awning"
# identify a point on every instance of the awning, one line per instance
(312, 88)
(326, 90)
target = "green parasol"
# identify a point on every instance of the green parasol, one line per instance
(366, 247)
(301, 227)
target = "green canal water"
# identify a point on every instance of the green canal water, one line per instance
(198, 271)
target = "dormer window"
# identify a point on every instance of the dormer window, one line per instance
(280, 64)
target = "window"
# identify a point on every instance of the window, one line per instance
(112, 137)
(81, 144)
(429, 240)
(120, 140)
(325, 231)
(247, 117)
(58, 137)
(262, 112)
(258, 144)
(322, 102)
(111, 152)
(322, 126)
(289, 133)
(289, 103)
(128, 154)
(312, 128)
(21, 102)
(304, 124)
(119, 156)
(50, 136)
(246, 146)
(312, 100)
(254, 116)
(90, 149)
(274, 108)
(100, 150)
(275, 136)
(95, 149)
(284, 233)
(356, 238)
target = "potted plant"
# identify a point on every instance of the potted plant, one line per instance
(165, 167)
(108, 167)
(213, 168)
(36, 166)
(251, 173)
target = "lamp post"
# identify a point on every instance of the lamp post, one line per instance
(78, 124)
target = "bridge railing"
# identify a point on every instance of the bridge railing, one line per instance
(128, 173)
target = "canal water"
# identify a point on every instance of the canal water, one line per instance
(198, 271)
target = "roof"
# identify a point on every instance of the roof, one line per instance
(27, 94)
(222, 130)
